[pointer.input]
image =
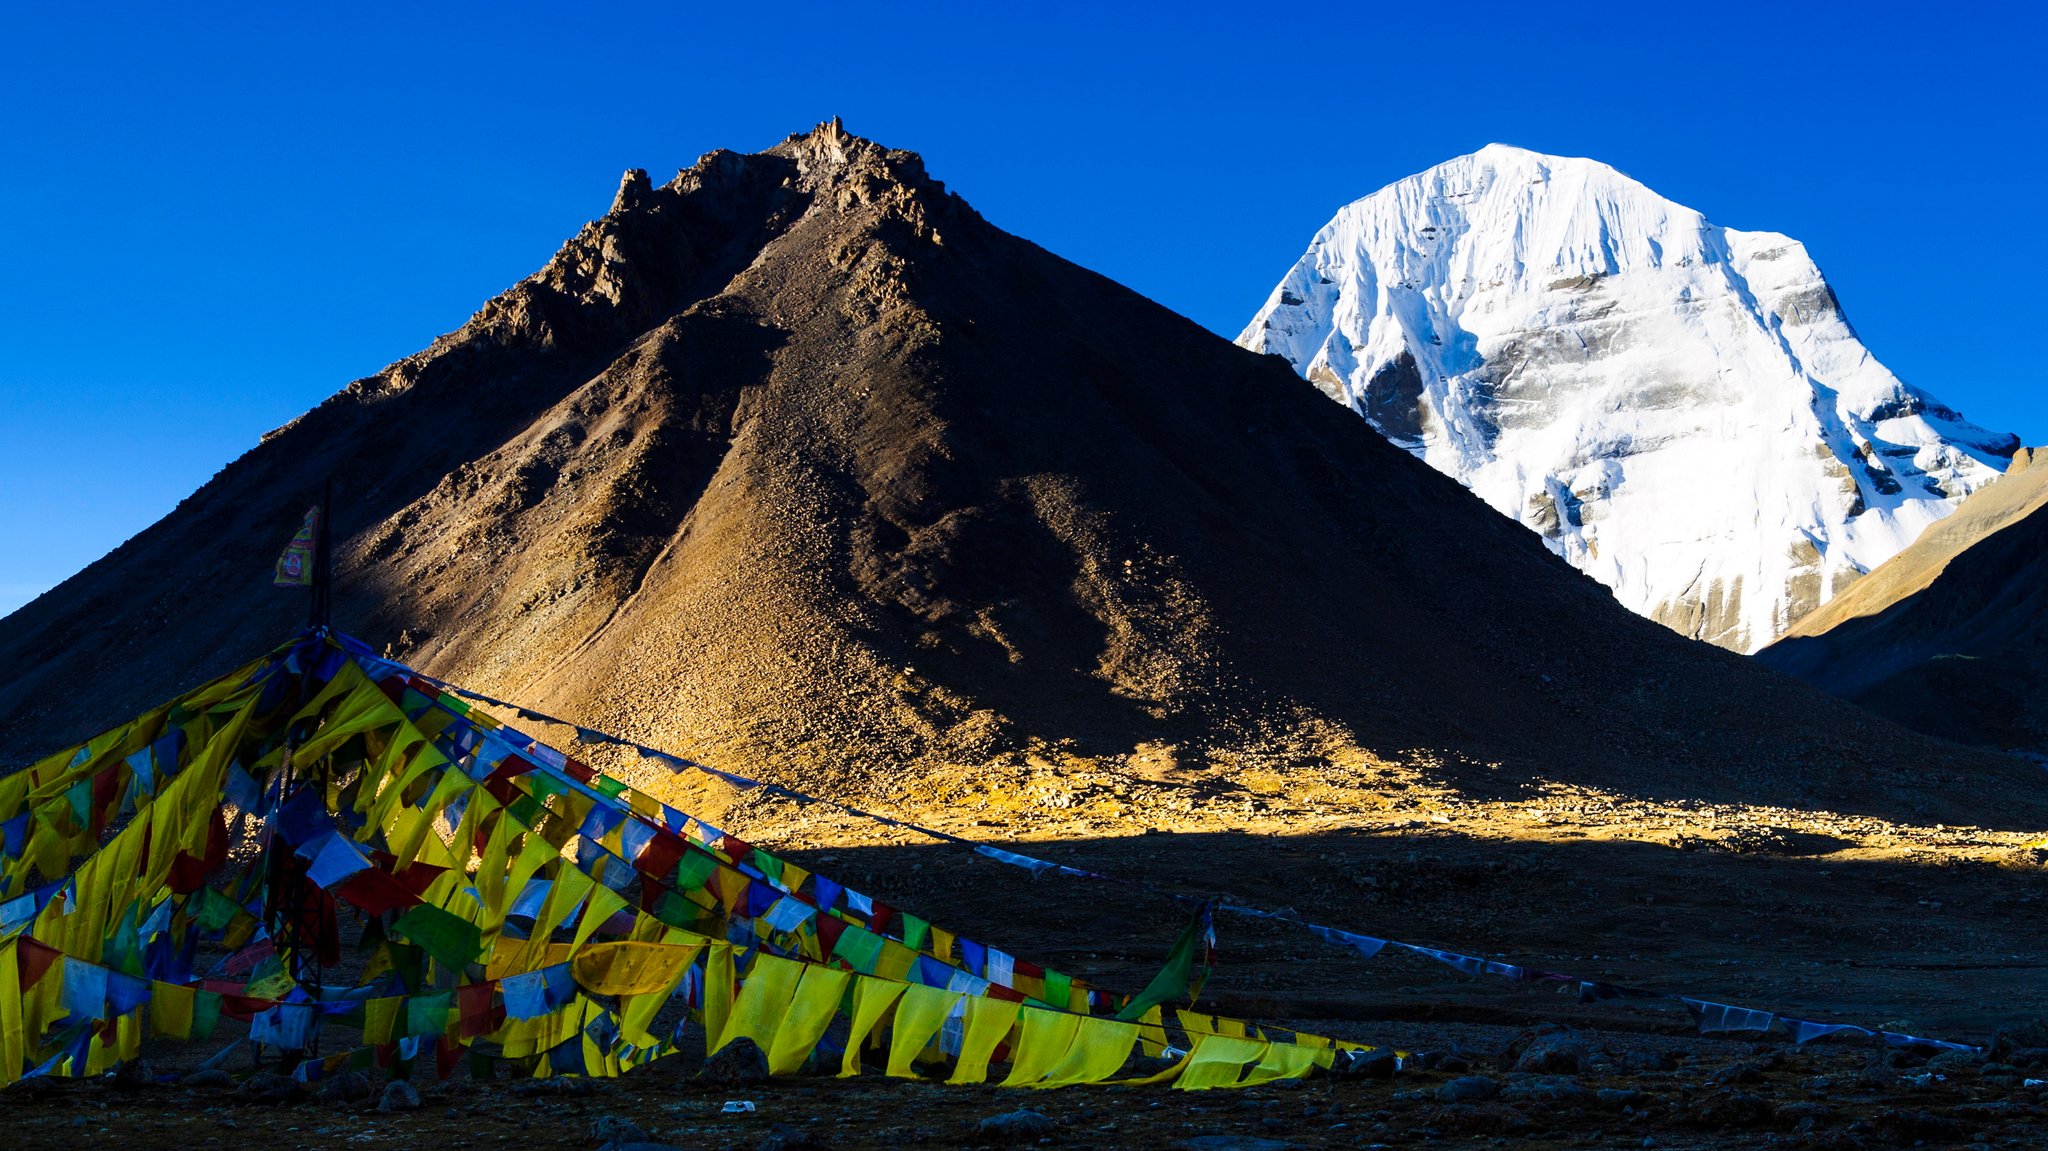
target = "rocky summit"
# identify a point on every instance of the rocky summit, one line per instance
(796, 463)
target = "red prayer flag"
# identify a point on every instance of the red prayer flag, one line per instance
(661, 855)
(417, 876)
(499, 782)
(830, 928)
(375, 892)
(102, 797)
(476, 1008)
(187, 874)
(33, 959)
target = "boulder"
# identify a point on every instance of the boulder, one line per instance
(1468, 1089)
(606, 1129)
(1546, 1089)
(1365, 1065)
(208, 1079)
(739, 1063)
(1017, 1126)
(347, 1087)
(1547, 1050)
(269, 1087)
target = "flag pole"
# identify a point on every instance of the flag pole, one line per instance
(323, 568)
(294, 899)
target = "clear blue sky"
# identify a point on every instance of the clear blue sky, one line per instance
(214, 217)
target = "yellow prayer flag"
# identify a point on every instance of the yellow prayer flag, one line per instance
(871, 997)
(380, 1019)
(763, 1001)
(718, 981)
(1287, 1061)
(986, 1023)
(811, 1010)
(1218, 1061)
(170, 1009)
(919, 1015)
(600, 907)
(627, 968)
(1043, 1040)
(1100, 1049)
(11, 1023)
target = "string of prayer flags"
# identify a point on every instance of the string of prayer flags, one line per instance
(1365, 945)
(539, 914)
(1469, 964)
(1721, 1017)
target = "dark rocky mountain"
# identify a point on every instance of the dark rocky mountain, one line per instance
(798, 464)
(1951, 635)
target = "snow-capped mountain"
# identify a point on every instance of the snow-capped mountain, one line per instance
(1681, 409)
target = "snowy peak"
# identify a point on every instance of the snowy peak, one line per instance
(1567, 215)
(1681, 409)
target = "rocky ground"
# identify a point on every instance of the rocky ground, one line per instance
(1833, 916)
(1484, 1086)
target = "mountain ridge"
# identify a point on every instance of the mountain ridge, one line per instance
(1947, 637)
(797, 464)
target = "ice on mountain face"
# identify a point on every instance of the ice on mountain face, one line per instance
(1680, 409)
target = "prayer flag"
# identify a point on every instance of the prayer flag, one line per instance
(295, 566)
(451, 939)
(1179, 977)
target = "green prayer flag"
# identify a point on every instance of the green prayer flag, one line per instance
(696, 868)
(428, 1014)
(123, 949)
(1059, 989)
(79, 797)
(215, 911)
(268, 979)
(527, 810)
(676, 911)
(452, 940)
(205, 1013)
(407, 960)
(861, 948)
(1174, 979)
(915, 932)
